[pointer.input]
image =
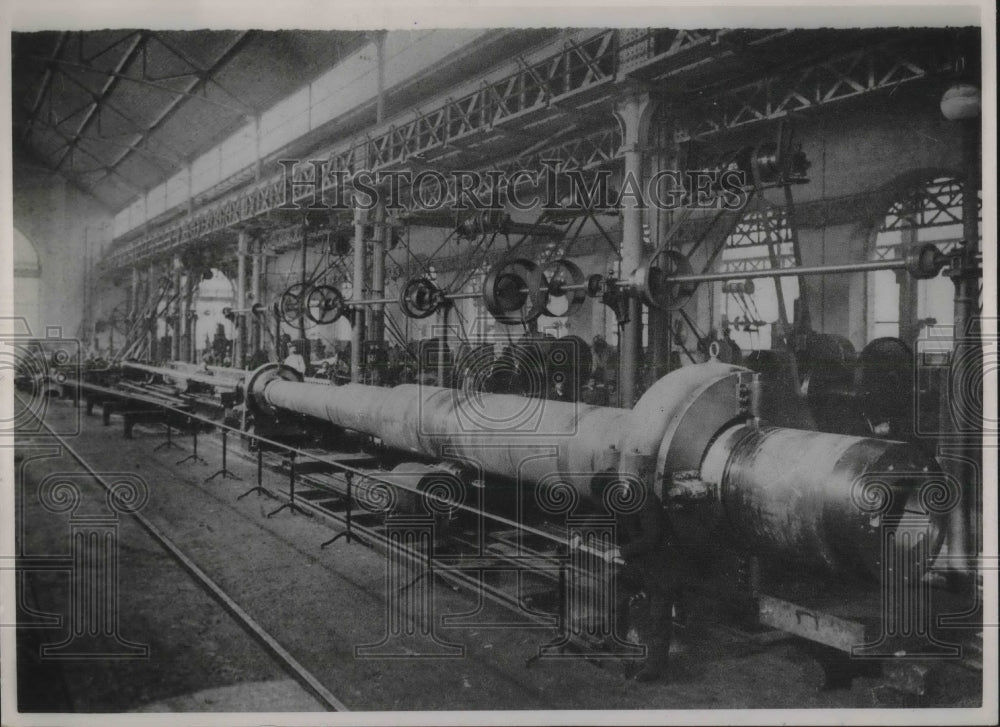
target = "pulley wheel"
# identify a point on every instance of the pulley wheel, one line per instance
(595, 285)
(925, 261)
(120, 320)
(515, 291)
(558, 274)
(290, 304)
(884, 377)
(884, 373)
(656, 287)
(420, 298)
(325, 304)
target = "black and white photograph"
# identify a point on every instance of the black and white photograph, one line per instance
(458, 363)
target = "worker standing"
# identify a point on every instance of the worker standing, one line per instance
(295, 360)
(647, 583)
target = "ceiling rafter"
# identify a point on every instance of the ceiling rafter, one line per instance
(29, 158)
(138, 130)
(224, 58)
(141, 124)
(106, 49)
(127, 57)
(45, 85)
(142, 82)
(115, 140)
(125, 181)
(206, 75)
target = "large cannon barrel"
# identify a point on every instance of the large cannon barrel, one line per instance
(224, 379)
(781, 489)
(510, 436)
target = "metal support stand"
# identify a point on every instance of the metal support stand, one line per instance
(291, 504)
(169, 444)
(225, 471)
(194, 448)
(348, 534)
(563, 608)
(259, 488)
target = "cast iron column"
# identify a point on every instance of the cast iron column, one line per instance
(358, 293)
(633, 113)
(965, 377)
(133, 301)
(660, 332)
(252, 320)
(377, 322)
(239, 330)
(152, 325)
(187, 292)
(176, 309)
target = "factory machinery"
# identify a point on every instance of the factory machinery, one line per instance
(707, 440)
(700, 433)
(738, 460)
(723, 450)
(700, 440)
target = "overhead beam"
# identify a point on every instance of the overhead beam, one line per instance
(190, 91)
(127, 57)
(848, 75)
(118, 75)
(205, 75)
(574, 67)
(526, 94)
(43, 87)
(28, 157)
(175, 156)
(126, 182)
(117, 140)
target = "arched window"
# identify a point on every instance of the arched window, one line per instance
(898, 305)
(761, 241)
(211, 296)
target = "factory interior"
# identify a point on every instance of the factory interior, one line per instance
(498, 369)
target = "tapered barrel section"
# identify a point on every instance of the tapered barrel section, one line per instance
(516, 437)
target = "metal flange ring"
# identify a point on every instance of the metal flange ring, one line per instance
(515, 287)
(924, 261)
(289, 307)
(653, 284)
(256, 383)
(558, 274)
(596, 285)
(420, 298)
(325, 304)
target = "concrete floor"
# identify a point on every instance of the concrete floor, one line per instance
(320, 604)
